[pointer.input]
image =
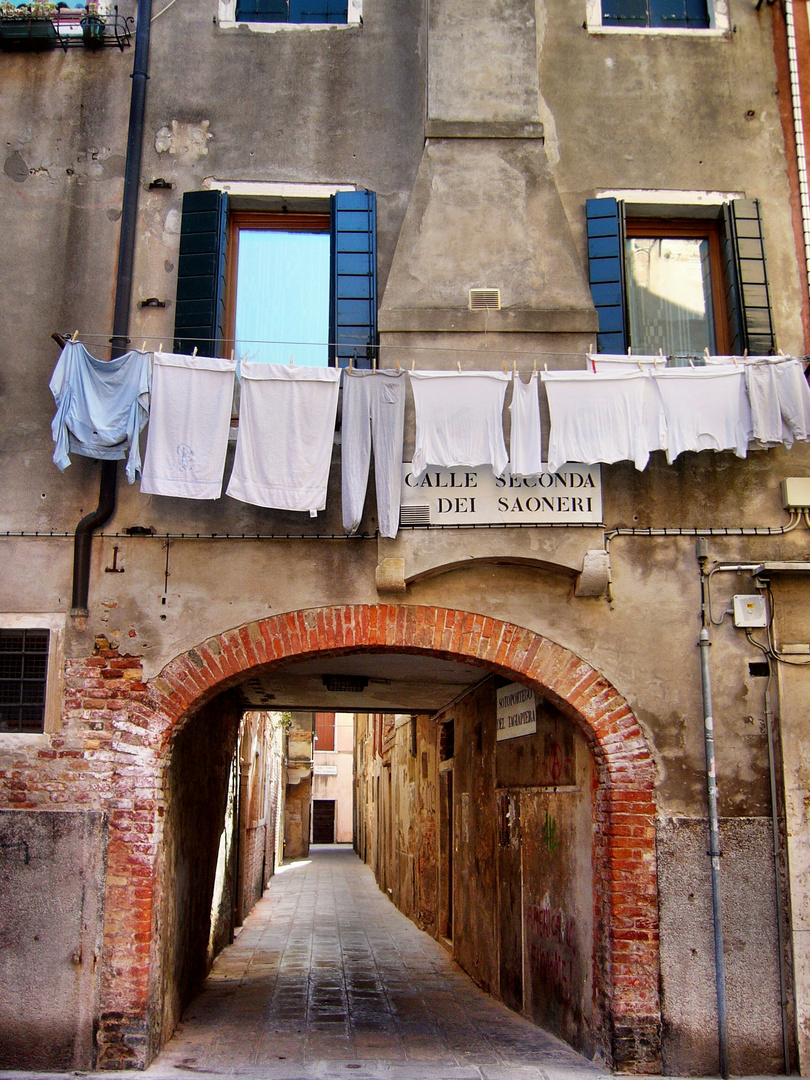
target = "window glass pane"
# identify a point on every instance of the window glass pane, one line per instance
(669, 295)
(282, 297)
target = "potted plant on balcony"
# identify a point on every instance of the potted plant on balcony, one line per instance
(27, 26)
(93, 25)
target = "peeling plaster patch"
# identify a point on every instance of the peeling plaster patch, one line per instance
(113, 214)
(187, 141)
(550, 140)
(168, 266)
(15, 168)
(172, 224)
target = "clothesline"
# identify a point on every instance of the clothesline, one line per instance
(534, 354)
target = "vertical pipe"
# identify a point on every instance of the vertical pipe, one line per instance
(714, 818)
(83, 536)
(780, 932)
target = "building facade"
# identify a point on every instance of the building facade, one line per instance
(486, 187)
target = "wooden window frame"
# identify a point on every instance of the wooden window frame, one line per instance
(692, 229)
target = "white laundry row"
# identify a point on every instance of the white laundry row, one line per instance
(621, 408)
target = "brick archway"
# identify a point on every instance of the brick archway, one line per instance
(626, 914)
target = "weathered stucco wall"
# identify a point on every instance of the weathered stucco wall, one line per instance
(348, 106)
(52, 866)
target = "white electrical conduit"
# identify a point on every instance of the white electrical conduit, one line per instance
(798, 129)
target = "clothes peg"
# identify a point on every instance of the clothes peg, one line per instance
(504, 366)
(232, 351)
(143, 347)
(291, 361)
(194, 353)
(745, 354)
(397, 365)
(534, 364)
(413, 364)
(160, 347)
(351, 362)
(514, 367)
(545, 367)
(590, 347)
(640, 368)
(374, 363)
(706, 353)
(458, 365)
(75, 335)
(691, 365)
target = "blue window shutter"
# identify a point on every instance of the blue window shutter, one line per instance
(199, 311)
(353, 295)
(606, 272)
(747, 292)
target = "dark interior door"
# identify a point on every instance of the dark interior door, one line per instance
(323, 821)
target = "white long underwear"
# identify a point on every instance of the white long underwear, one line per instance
(525, 444)
(706, 409)
(188, 426)
(459, 419)
(596, 418)
(286, 430)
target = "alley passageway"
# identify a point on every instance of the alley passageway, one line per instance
(328, 979)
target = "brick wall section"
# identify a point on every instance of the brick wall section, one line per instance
(116, 742)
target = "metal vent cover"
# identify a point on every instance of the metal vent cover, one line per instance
(485, 299)
(414, 515)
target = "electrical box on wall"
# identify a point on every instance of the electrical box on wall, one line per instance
(750, 611)
(796, 493)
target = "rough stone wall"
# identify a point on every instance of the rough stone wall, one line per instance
(196, 793)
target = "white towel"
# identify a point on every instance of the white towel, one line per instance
(459, 419)
(286, 431)
(526, 454)
(188, 426)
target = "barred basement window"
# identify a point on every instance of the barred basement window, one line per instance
(23, 679)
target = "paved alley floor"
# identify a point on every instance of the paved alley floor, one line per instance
(328, 979)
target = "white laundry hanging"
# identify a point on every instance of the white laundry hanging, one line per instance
(286, 431)
(459, 419)
(525, 444)
(188, 426)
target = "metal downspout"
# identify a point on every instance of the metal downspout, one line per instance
(702, 551)
(83, 537)
(780, 932)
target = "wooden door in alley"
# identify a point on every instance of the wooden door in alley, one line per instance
(323, 821)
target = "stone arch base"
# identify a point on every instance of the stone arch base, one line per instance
(626, 961)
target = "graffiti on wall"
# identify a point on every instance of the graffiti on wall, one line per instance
(550, 935)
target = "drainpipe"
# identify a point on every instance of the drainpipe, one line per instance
(780, 914)
(702, 552)
(83, 537)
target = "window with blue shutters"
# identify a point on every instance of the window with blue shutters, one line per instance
(679, 285)
(673, 14)
(293, 11)
(279, 284)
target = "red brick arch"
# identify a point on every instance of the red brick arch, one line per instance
(627, 967)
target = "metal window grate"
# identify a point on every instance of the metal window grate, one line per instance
(23, 677)
(485, 299)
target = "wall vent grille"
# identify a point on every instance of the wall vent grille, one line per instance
(485, 299)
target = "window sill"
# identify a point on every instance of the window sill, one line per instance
(660, 31)
(275, 28)
(11, 741)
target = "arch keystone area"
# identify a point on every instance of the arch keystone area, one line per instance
(625, 880)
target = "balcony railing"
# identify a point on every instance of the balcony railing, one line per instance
(28, 28)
